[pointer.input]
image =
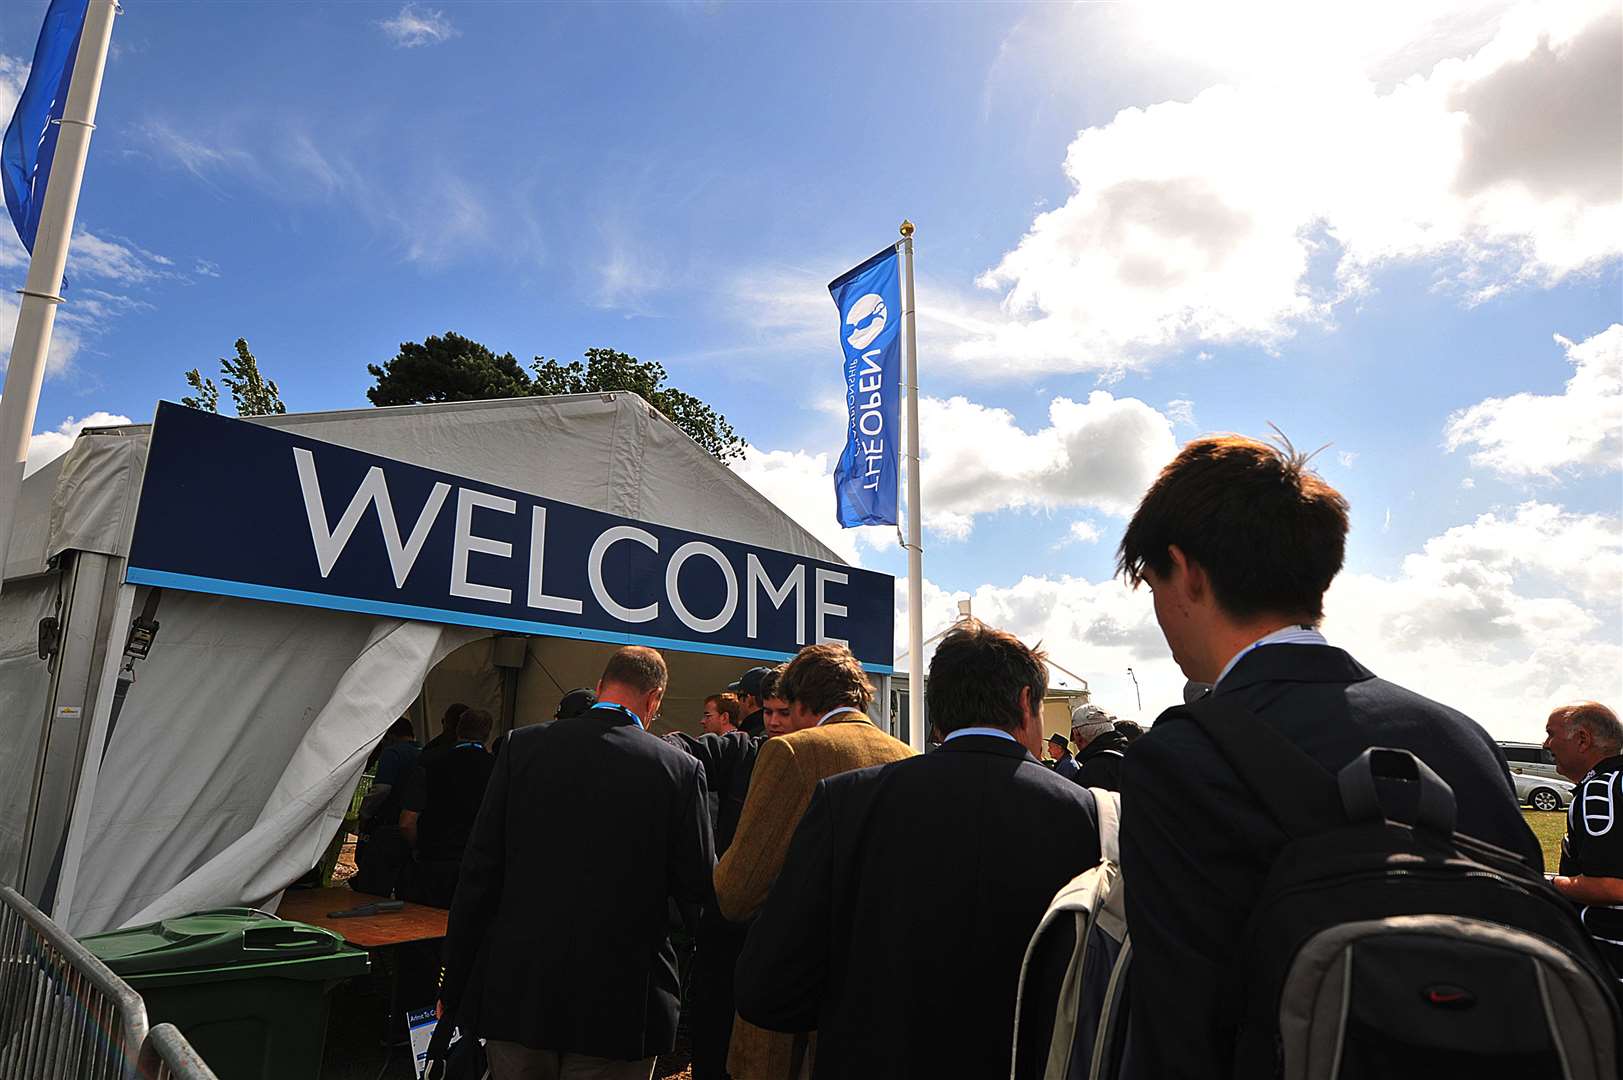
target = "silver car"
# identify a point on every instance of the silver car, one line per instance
(1542, 792)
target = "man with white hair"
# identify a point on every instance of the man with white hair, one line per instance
(1586, 740)
(1099, 747)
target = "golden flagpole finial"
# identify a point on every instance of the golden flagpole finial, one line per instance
(907, 227)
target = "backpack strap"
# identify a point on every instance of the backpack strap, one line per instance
(1299, 793)
(1360, 794)
(1107, 805)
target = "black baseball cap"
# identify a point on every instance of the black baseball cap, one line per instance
(750, 682)
(575, 702)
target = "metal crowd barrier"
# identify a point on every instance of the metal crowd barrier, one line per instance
(65, 1016)
(166, 1055)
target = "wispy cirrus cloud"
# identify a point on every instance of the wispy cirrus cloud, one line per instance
(415, 26)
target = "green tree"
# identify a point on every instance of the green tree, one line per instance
(453, 368)
(607, 370)
(251, 393)
(448, 368)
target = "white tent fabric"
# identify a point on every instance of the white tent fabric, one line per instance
(236, 750)
(25, 684)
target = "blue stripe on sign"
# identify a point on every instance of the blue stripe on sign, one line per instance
(136, 575)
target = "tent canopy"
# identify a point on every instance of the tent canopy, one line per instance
(238, 744)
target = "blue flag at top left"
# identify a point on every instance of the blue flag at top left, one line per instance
(30, 142)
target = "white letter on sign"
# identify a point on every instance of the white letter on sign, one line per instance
(673, 572)
(824, 607)
(594, 572)
(538, 544)
(330, 545)
(465, 541)
(755, 574)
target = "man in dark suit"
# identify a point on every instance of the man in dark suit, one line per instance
(902, 945)
(558, 951)
(1239, 541)
(729, 759)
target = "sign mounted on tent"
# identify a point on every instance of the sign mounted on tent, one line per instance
(240, 509)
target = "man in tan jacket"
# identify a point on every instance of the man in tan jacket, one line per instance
(828, 695)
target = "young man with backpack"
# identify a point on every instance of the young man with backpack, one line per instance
(1239, 540)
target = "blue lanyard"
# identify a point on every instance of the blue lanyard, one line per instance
(475, 745)
(621, 708)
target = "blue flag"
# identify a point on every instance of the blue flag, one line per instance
(869, 299)
(30, 143)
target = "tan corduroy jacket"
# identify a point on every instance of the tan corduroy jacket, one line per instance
(786, 773)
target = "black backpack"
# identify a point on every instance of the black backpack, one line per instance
(1379, 949)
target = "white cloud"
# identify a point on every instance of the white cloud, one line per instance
(1540, 436)
(1095, 455)
(46, 446)
(1254, 208)
(1347, 458)
(1099, 454)
(1181, 412)
(1081, 532)
(1502, 618)
(415, 26)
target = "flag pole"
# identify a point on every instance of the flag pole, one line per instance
(37, 314)
(915, 550)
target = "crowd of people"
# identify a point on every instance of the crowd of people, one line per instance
(860, 910)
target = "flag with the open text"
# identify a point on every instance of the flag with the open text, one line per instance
(869, 300)
(30, 140)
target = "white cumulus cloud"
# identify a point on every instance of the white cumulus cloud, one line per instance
(1542, 435)
(1099, 454)
(1254, 208)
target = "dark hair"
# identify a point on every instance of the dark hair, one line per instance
(824, 677)
(1269, 532)
(771, 683)
(638, 667)
(1129, 729)
(976, 676)
(453, 713)
(727, 705)
(574, 703)
(474, 725)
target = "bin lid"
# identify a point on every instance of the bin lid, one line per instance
(221, 938)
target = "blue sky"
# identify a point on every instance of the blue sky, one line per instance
(1362, 231)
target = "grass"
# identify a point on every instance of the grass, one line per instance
(1549, 827)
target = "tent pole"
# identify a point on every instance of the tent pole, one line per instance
(95, 742)
(36, 316)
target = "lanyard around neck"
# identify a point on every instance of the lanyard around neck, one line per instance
(616, 707)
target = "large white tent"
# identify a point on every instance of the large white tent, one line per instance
(237, 746)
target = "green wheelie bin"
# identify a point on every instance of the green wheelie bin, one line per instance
(248, 990)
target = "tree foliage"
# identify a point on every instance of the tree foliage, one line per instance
(453, 368)
(448, 368)
(251, 393)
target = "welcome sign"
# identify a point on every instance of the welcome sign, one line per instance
(239, 509)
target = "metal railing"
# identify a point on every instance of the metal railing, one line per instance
(166, 1055)
(65, 1016)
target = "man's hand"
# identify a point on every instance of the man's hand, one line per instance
(1586, 889)
(439, 1010)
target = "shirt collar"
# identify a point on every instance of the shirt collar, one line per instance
(832, 713)
(993, 731)
(1608, 765)
(1295, 634)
